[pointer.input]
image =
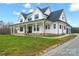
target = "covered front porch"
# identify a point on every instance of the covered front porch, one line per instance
(33, 27)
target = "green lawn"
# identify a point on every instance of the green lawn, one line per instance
(27, 45)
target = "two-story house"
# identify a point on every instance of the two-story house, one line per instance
(42, 21)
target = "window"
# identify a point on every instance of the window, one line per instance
(47, 27)
(21, 28)
(29, 19)
(34, 28)
(37, 27)
(36, 16)
(54, 26)
(60, 26)
(21, 20)
(63, 17)
(64, 27)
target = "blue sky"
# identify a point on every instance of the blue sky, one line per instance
(9, 11)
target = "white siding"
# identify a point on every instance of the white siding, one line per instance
(18, 30)
(62, 30)
(52, 30)
(61, 17)
(48, 11)
(30, 15)
(40, 29)
(69, 30)
(19, 18)
(37, 11)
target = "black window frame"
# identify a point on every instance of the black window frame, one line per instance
(54, 26)
(64, 27)
(34, 28)
(37, 27)
(63, 17)
(21, 20)
(36, 16)
(29, 19)
(47, 26)
(60, 26)
(21, 29)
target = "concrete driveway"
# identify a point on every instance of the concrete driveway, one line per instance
(70, 48)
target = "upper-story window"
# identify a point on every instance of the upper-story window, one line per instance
(63, 17)
(64, 27)
(29, 19)
(21, 20)
(36, 16)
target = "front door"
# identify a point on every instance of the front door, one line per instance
(30, 29)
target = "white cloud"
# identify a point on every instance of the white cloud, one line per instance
(31, 10)
(27, 5)
(74, 7)
(16, 13)
(39, 1)
(8, 3)
(23, 10)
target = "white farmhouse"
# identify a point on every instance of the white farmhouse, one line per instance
(42, 21)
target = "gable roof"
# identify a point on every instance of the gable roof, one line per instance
(24, 15)
(55, 15)
(43, 9)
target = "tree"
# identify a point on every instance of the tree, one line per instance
(75, 30)
(5, 28)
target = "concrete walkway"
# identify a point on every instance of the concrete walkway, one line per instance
(70, 48)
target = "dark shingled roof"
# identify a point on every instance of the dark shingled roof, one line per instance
(43, 9)
(55, 15)
(24, 15)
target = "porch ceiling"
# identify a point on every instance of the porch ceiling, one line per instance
(32, 22)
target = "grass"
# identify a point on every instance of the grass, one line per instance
(27, 45)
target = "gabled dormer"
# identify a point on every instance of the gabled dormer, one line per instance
(62, 16)
(37, 14)
(21, 17)
(47, 11)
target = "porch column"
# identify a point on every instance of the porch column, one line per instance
(43, 27)
(35, 27)
(25, 28)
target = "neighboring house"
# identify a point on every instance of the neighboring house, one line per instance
(42, 21)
